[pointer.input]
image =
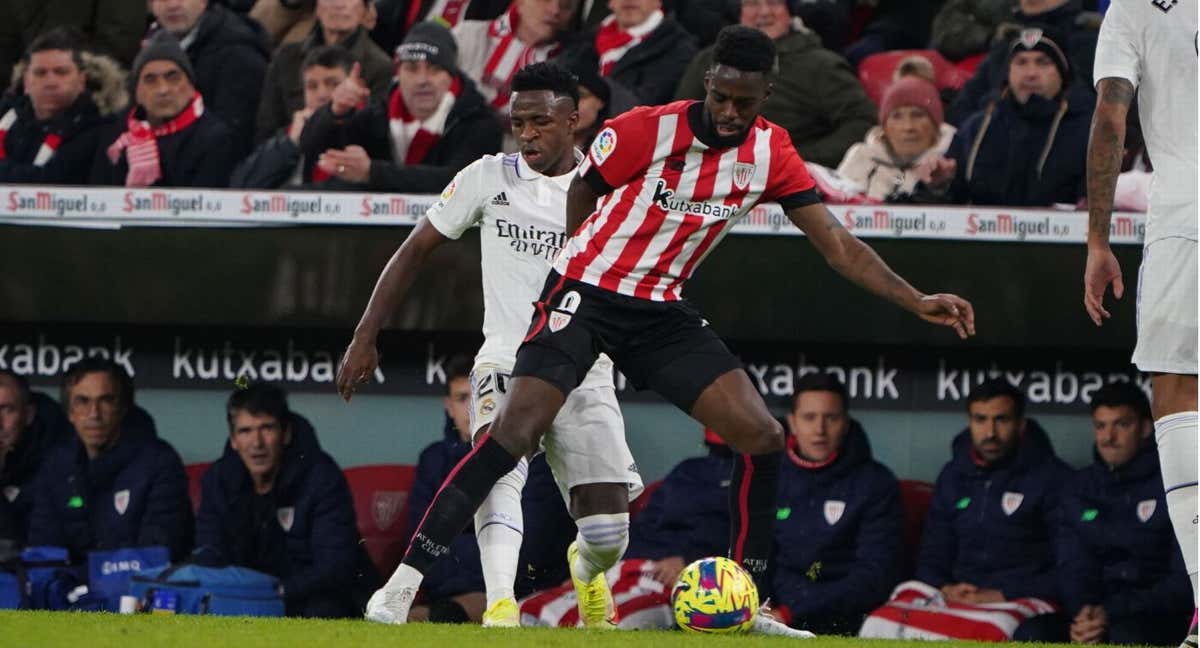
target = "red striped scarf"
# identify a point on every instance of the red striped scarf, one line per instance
(412, 139)
(140, 143)
(613, 42)
(508, 54)
(45, 152)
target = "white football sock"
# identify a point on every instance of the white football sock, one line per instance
(404, 576)
(601, 542)
(499, 528)
(1177, 447)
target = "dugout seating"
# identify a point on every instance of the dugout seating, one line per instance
(875, 71)
(195, 475)
(380, 495)
(915, 497)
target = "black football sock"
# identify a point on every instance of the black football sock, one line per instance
(455, 504)
(752, 493)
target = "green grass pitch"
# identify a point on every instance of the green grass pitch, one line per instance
(86, 630)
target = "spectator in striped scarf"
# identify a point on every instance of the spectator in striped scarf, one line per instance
(166, 139)
(49, 134)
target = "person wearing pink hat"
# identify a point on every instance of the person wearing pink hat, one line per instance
(910, 140)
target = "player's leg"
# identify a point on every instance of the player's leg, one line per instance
(1175, 428)
(694, 369)
(733, 408)
(526, 414)
(1166, 347)
(587, 452)
(499, 522)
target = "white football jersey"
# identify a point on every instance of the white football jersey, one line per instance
(522, 218)
(1153, 44)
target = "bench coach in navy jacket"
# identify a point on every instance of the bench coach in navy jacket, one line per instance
(989, 535)
(1122, 575)
(276, 503)
(839, 518)
(114, 484)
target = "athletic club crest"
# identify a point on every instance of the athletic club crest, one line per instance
(385, 507)
(1145, 509)
(11, 492)
(121, 501)
(561, 316)
(286, 516)
(742, 173)
(834, 510)
(1011, 502)
(1030, 37)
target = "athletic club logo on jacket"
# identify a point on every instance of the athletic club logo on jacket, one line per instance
(1116, 546)
(994, 526)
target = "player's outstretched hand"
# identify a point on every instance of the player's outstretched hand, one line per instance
(358, 363)
(948, 310)
(1102, 269)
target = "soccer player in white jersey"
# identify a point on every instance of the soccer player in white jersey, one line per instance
(1149, 46)
(518, 201)
(660, 186)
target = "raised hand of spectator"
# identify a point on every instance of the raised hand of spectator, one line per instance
(299, 118)
(936, 171)
(666, 571)
(350, 93)
(1089, 625)
(351, 164)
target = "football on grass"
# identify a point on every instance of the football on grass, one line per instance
(714, 595)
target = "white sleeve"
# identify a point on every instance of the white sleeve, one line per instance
(1117, 49)
(460, 206)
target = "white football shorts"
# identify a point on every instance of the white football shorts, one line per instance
(586, 444)
(1166, 307)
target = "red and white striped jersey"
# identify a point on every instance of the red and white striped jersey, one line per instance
(670, 197)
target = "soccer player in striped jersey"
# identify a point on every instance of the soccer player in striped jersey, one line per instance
(660, 186)
(518, 201)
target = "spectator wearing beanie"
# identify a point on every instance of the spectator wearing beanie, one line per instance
(167, 139)
(1029, 146)
(491, 51)
(49, 132)
(641, 48)
(229, 54)
(339, 22)
(1076, 32)
(889, 163)
(816, 96)
(433, 123)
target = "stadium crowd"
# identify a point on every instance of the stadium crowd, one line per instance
(931, 101)
(1083, 555)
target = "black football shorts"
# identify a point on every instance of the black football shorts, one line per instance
(663, 346)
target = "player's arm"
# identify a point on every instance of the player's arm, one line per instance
(581, 202)
(857, 262)
(456, 211)
(361, 356)
(1106, 147)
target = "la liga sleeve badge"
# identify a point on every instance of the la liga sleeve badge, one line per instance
(604, 144)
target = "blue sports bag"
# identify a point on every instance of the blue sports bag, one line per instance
(192, 589)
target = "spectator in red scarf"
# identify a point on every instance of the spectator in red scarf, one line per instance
(167, 139)
(491, 51)
(433, 123)
(48, 135)
(642, 49)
